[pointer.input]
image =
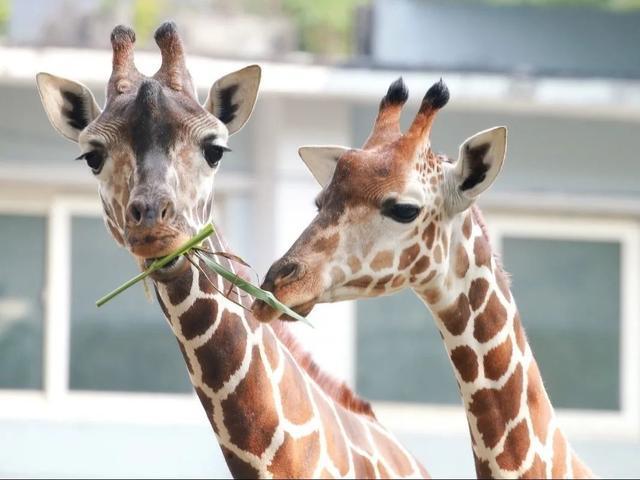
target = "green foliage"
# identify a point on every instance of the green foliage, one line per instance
(5, 13)
(146, 17)
(326, 26)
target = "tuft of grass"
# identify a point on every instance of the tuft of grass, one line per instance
(192, 245)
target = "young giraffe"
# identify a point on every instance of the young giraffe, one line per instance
(394, 215)
(154, 151)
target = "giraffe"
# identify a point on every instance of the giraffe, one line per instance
(394, 215)
(154, 151)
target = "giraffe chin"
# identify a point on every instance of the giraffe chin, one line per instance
(265, 313)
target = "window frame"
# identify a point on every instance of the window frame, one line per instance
(444, 419)
(56, 400)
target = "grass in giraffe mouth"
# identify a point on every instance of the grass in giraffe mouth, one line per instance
(192, 248)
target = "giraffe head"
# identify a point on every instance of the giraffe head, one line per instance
(386, 210)
(154, 149)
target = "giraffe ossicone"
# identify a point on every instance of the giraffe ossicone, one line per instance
(394, 215)
(154, 151)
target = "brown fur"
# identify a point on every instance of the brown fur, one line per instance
(496, 360)
(515, 447)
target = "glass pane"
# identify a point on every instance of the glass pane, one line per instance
(400, 355)
(568, 293)
(21, 285)
(125, 345)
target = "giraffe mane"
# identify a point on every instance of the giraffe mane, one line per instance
(334, 388)
(479, 219)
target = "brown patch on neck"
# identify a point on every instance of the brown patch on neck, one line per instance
(456, 316)
(466, 226)
(360, 282)
(408, 255)
(537, 402)
(516, 446)
(326, 245)
(493, 408)
(429, 235)
(466, 362)
(420, 266)
(482, 252)
(496, 361)
(337, 390)
(461, 261)
(239, 468)
(382, 260)
(559, 468)
(477, 292)
(354, 264)
(492, 319)
(521, 338)
(483, 470)
(295, 457)
(198, 318)
(251, 405)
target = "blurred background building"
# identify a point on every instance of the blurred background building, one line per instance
(104, 392)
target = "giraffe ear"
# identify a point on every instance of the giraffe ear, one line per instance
(69, 105)
(232, 97)
(480, 160)
(321, 160)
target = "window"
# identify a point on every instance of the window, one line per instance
(21, 289)
(575, 282)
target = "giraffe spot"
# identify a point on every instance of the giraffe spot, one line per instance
(515, 449)
(483, 470)
(353, 426)
(462, 261)
(354, 264)
(559, 467)
(271, 348)
(456, 316)
(420, 266)
(249, 406)
(482, 252)
(503, 283)
(360, 282)
(337, 275)
(296, 405)
(336, 444)
(326, 245)
(492, 319)
(383, 281)
(180, 288)
(198, 318)
(382, 260)
(397, 281)
(466, 226)
(521, 339)
(538, 469)
(429, 235)
(466, 362)
(185, 356)
(394, 456)
(222, 354)
(496, 361)
(296, 458)
(477, 292)
(363, 468)
(238, 468)
(408, 255)
(432, 295)
(437, 254)
(538, 403)
(493, 408)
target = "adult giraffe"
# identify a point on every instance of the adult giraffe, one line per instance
(394, 215)
(154, 151)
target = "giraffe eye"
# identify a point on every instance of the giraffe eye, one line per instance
(95, 159)
(213, 153)
(401, 212)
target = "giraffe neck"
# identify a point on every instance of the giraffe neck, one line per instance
(512, 422)
(272, 417)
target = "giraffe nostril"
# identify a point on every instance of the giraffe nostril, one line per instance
(289, 273)
(135, 212)
(168, 212)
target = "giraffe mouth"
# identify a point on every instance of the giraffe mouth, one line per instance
(266, 313)
(170, 271)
